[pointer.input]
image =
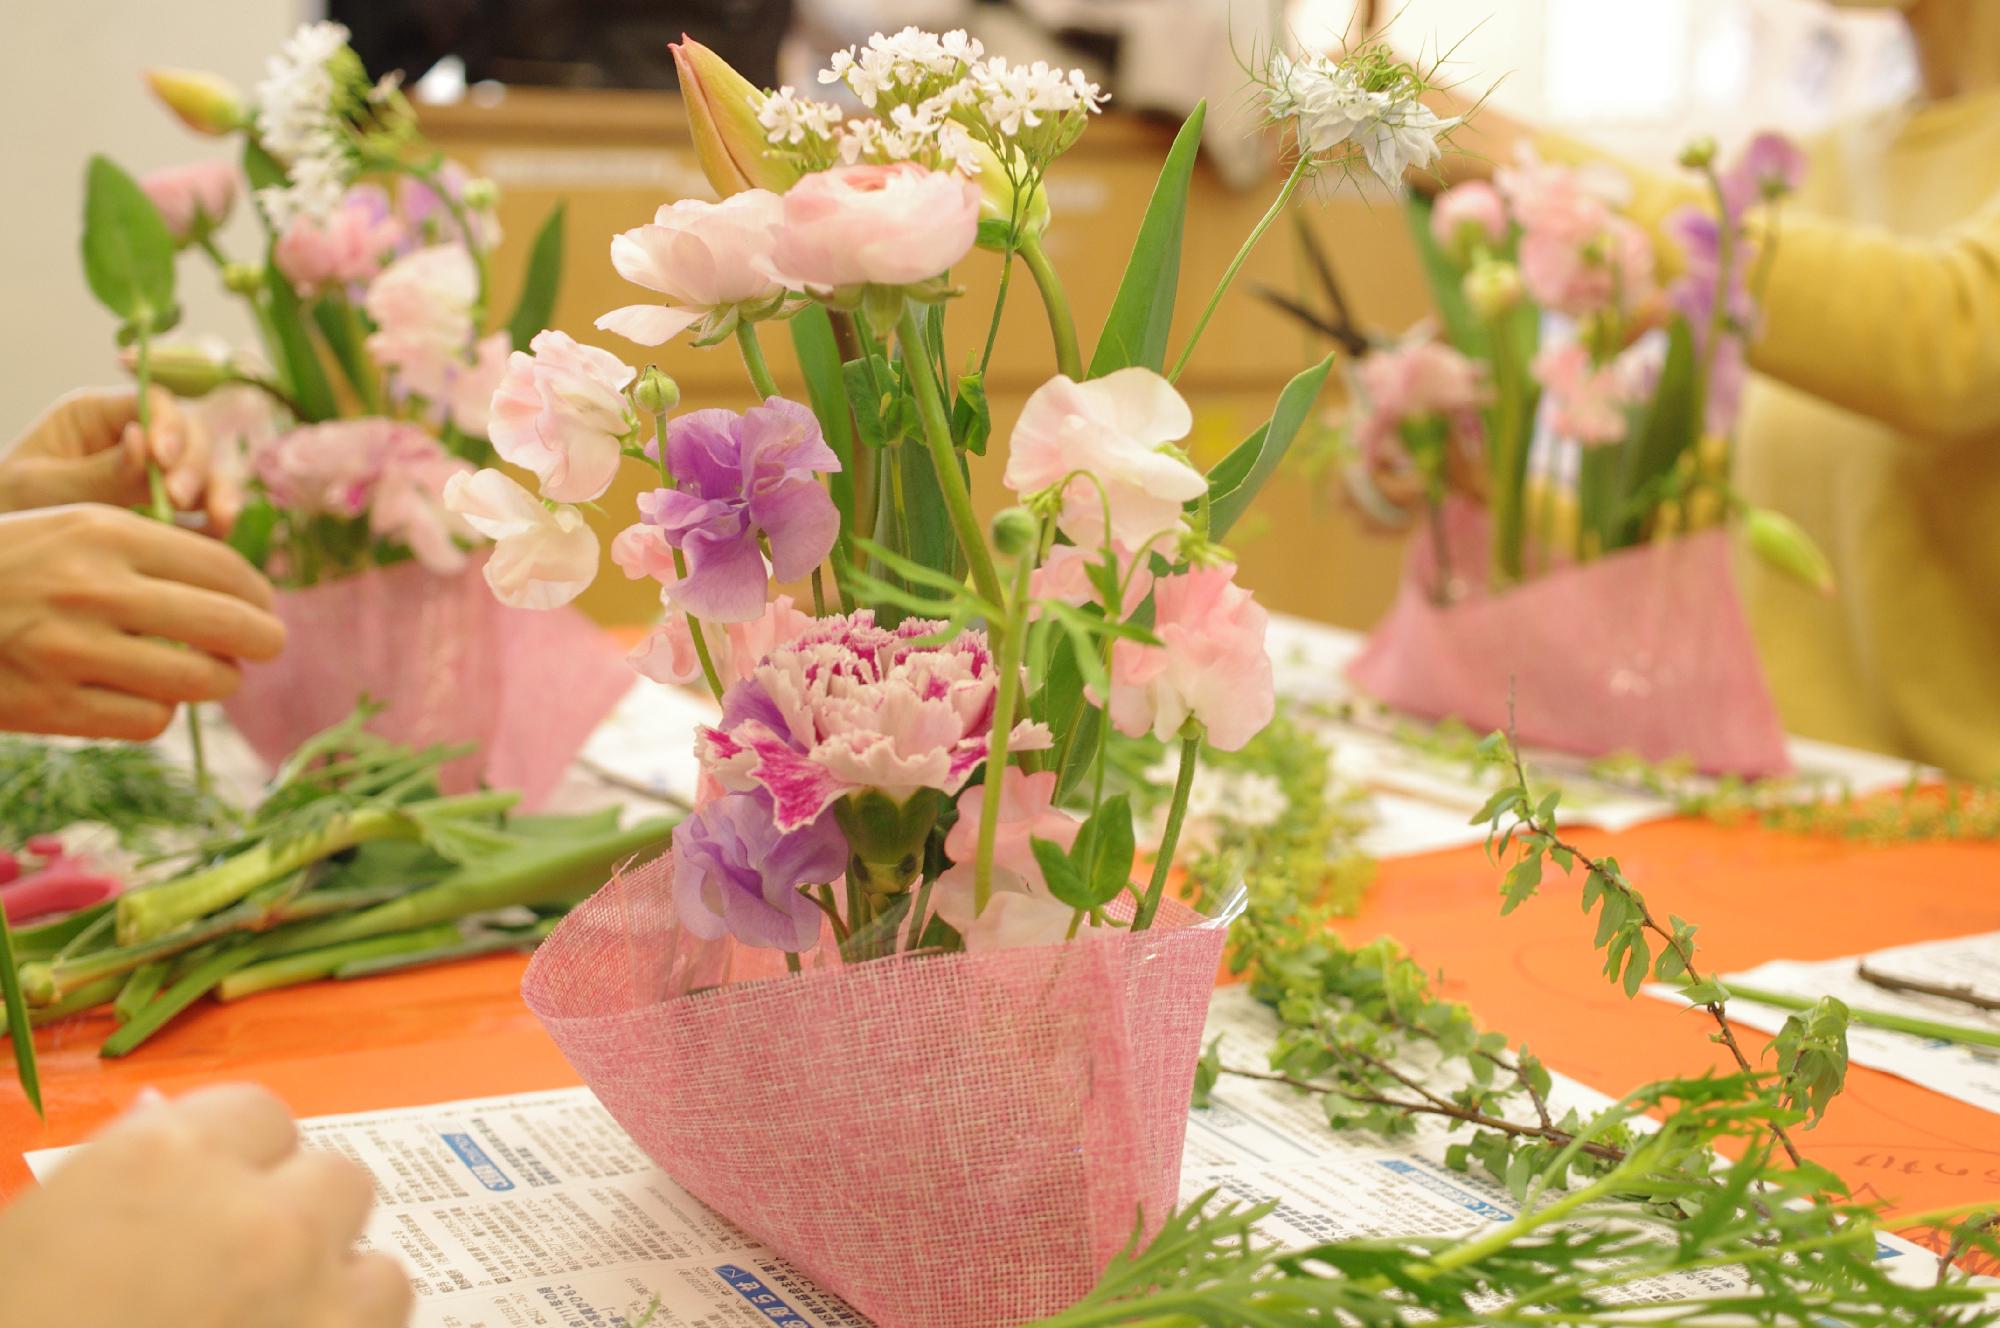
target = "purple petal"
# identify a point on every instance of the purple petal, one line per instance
(781, 438)
(681, 515)
(801, 522)
(704, 455)
(727, 581)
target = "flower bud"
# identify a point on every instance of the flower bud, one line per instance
(1784, 544)
(243, 278)
(480, 195)
(656, 394)
(1492, 288)
(184, 370)
(203, 102)
(1699, 155)
(1015, 532)
(722, 119)
(997, 197)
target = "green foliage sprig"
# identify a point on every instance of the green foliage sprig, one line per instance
(47, 787)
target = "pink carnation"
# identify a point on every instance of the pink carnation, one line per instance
(327, 469)
(1211, 665)
(408, 505)
(851, 705)
(1420, 379)
(345, 250)
(192, 199)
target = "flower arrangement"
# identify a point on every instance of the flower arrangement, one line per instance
(373, 388)
(1569, 424)
(905, 848)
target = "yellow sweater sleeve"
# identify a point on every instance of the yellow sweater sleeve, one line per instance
(1906, 332)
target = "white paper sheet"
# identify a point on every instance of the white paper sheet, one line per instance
(1970, 1074)
(537, 1209)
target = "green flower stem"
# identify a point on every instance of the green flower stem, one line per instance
(1170, 837)
(485, 943)
(312, 965)
(185, 991)
(1242, 256)
(1062, 323)
(951, 480)
(1011, 647)
(680, 568)
(999, 306)
(1964, 1034)
(137, 989)
(753, 360)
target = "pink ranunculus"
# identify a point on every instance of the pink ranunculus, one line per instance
(192, 199)
(1422, 378)
(1586, 403)
(347, 249)
(408, 506)
(421, 305)
(1115, 428)
(328, 469)
(1469, 215)
(1211, 664)
(1020, 910)
(561, 412)
(667, 654)
(1064, 577)
(541, 558)
(642, 550)
(709, 260)
(893, 225)
(849, 706)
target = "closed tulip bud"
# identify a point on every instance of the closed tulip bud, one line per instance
(1784, 544)
(722, 119)
(656, 394)
(1492, 288)
(185, 371)
(1016, 532)
(203, 102)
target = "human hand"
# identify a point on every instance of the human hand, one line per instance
(91, 598)
(88, 448)
(200, 1213)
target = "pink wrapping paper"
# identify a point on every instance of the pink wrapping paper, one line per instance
(951, 1141)
(450, 664)
(1645, 650)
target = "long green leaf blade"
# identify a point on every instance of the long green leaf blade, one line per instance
(20, 1031)
(537, 304)
(1142, 315)
(1238, 478)
(819, 360)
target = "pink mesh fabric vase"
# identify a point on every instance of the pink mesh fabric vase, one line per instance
(449, 663)
(947, 1141)
(1645, 650)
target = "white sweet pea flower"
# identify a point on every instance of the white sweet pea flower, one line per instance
(542, 557)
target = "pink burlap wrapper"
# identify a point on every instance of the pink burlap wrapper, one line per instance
(951, 1141)
(450, 664)
(1645, 650)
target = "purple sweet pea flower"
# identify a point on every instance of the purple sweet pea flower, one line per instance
(742, 476)
(1694, 295)
(735, 872)
(1771, 166)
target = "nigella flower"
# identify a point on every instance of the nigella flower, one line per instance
(1332, 103)
(735, 871)
(851, 706)
(743, 478)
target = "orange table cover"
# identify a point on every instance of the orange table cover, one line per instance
(461, 1031)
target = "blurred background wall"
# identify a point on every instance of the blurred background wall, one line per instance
(569, 100)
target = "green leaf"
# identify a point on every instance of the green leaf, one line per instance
(251, 535)
(1669, 429)
(1237, 479)
(1462, 324)
(20, 1031)
(128, 253)
(537, 305)
(341, 336)
(1065, 882)
(260, 169)
(303, 372)
(1142, 315)
(972, 417)
(1104, 850)
(826, 388)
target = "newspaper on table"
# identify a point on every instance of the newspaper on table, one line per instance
(1970, 1074)
(537, 1211)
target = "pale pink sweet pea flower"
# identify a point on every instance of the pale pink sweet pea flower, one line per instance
(542, 558)
(326, 469)
(667, 655)
(893, 225)
(408, 505)
(429, 221)
(345, 250)
(1064, 577)
(709, 259)
(1420, 378)
(561, 412)
(1114, 428)
(1469, 214)
(192, 199)
(421, 305)
(641, 550)
(1211, 664)
(1586, 402)
(469, 388)
(1612, 268)
(1020, 910)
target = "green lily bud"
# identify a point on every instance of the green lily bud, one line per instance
(997, 197)
(203, 102)
(1699, 155)
(1016, 532)
(722, 119)
(1784, 544)
(243, 278)
(656, 393)
(185, 371)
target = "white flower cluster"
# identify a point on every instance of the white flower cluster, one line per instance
(1330, 105)
(912, 66)
(1014, 98)
(297, 123)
